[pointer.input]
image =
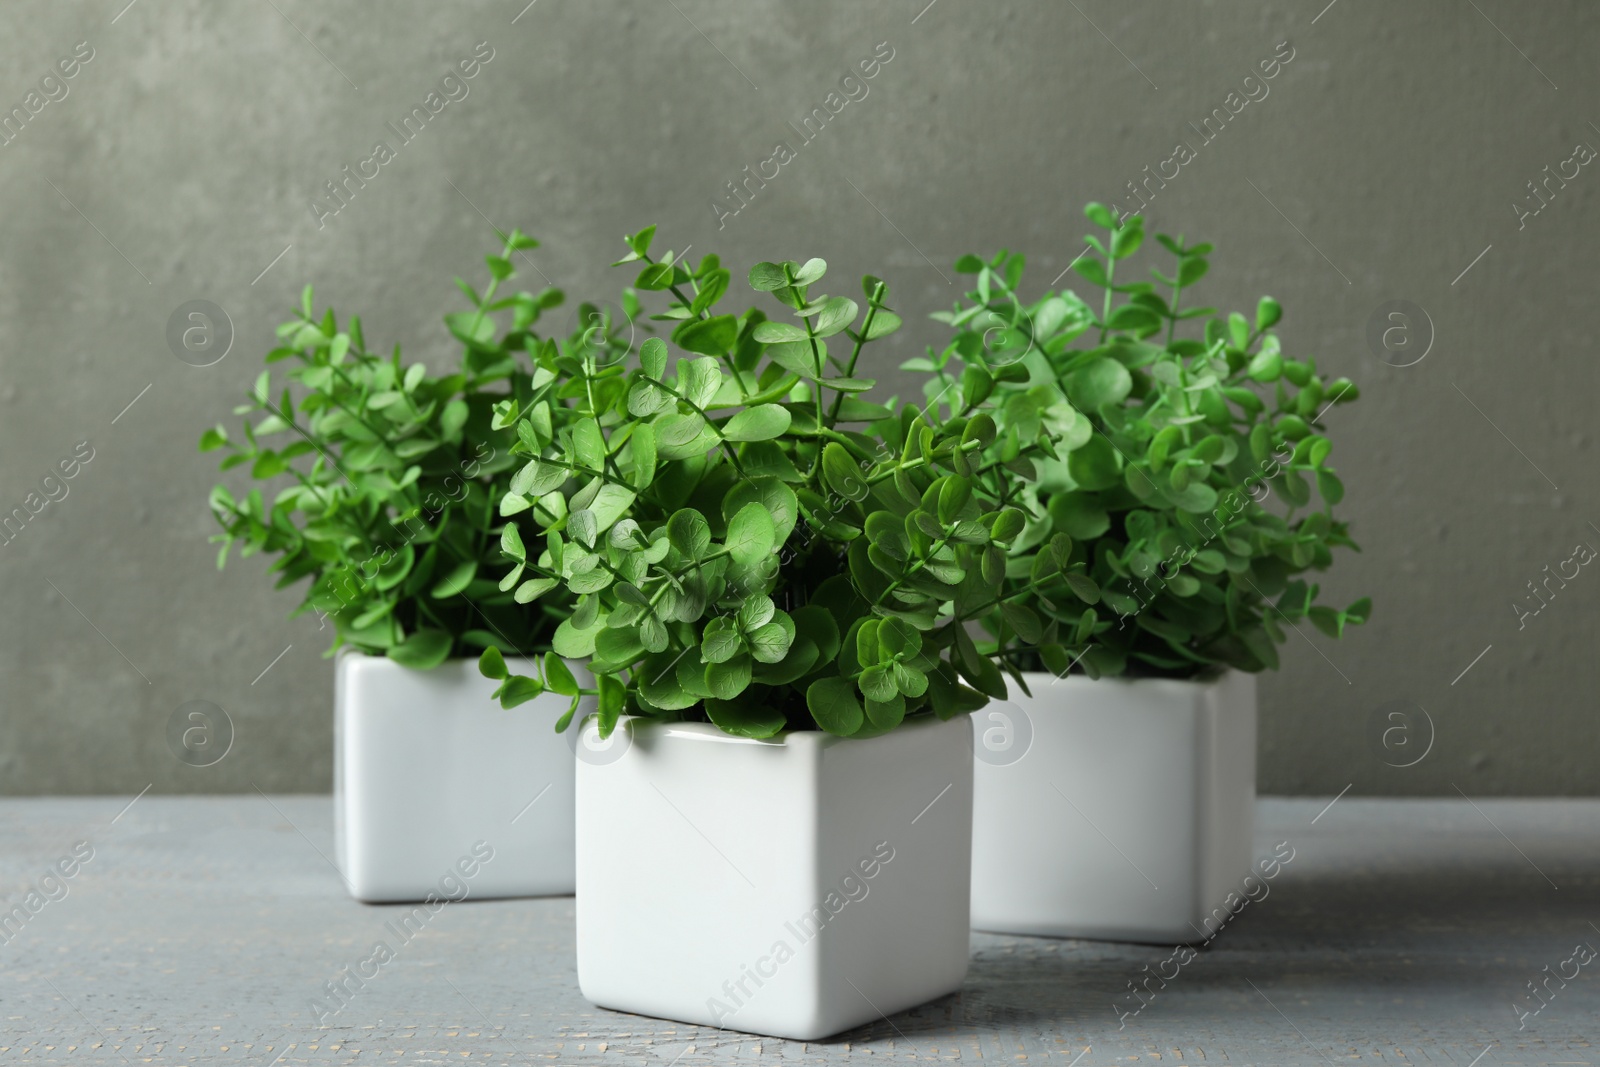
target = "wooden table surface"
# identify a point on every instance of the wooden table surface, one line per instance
(201, 928)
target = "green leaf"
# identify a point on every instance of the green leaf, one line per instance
(680, 436)
(1265, 366)
(760, 423)
(1268, 312)
(751, 535)
(1083, 587)
(801, 357)
(985, 677)
(613, 695)
(1329, 487)
(423, 650)
(643, 452)
(1023, 620)
(653, 357)
(953, 496)
(610, 503)
(1327, 620)
(518, 689)
(588, 445)
(689, 533)
(756, 612)
(456, 580)
(722, 641)
(884, 322)
(699, 380)
(811, 271)
(1238, 330)
(770, 643)
(842, 473)
(976, 385)
(727, 680)
(766, 277)
(1095, 465)
(769, 333)
(1126, 241)
(655, 277)
(1191, 269)
(818, 626)
(658, 683)
(511, 542)
(618, 644)
(877, 683)
(886, 714)
(1261, 646)
(575, 643)
(834, 705)
(557, 677)
(1091, 270)
(1079, 515)
(582, 527)
(910, 681)
(640, 243)
(708, 337)
(746, 718)
(778, 499)
(837, 313)
(492, 664)
(1100, 381)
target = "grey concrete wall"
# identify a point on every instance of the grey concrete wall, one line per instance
(1384, 165)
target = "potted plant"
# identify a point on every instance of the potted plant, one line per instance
(391, 478)
(773, 606)
(1195, 487)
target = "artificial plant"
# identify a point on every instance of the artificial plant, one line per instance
(737, 551)
(1192, 476)
(394, 475)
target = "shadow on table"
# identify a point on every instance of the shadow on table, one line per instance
(1473, 936)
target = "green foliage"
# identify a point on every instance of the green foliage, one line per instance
(1149, 550)
(747, 539)
(391, 478)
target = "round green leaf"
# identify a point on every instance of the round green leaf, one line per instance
(727, 680)
(760, 423)
(423, 650)
(1100, 381)
(751, 535)
(492, 664)
(745, 717)
(689, 533)
(835, 706)
(1096, 465)
(765, 277)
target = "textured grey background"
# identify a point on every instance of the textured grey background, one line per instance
(1391, 149)
(1402, 932)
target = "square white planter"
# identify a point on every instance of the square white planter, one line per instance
(427, 765)
(1116, 809)
(795, 887)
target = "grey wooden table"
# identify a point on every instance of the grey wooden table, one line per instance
(200, 931)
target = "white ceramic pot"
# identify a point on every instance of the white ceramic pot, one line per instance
(795, 887)
(1121, 810)
(430, 772)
